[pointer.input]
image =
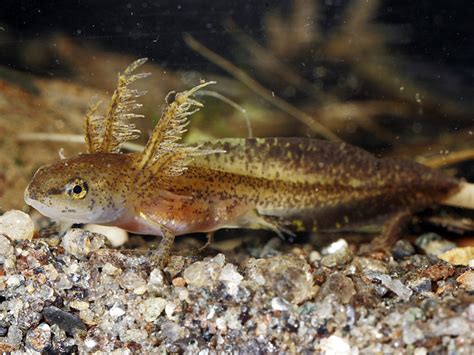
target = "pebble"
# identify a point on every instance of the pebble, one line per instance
(17, 225)
(340, 286)
(204, 273)
(335, 247)
(395, 286)
(111, 270)
(402, 249)
(232, 279)
(156, 281)
(116, 311)
(171, 331)
(152, 308)
(14, 281)
(229, 273)
(411, 332)
(79, 305)
(433, 244)
(14, 335)
(39, 338)
(439, 272)
(368, 264)
(459, 256)
(420, 351)
(179, 282)
(81, 243)
(314, 256)
(420, 285)
(336, 254)
(467, 280)
(453, 326)
(279, 304)
(133, 281)
(135, 335)
(286, 276)
(335, 345)
(68, 322)
(116, 236)
(7, 252)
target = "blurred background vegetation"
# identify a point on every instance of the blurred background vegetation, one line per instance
(394, 77)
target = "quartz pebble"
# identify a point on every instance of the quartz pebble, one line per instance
(335, 345)
(204, 273)
(116, 236)
(279, 304)
(7, 254)
(286, 276)
(151, 308)
(393, 285)
(336, 254)
(156, 282)
(340, 286)
(116, 311)
(231, 278)
(81, 243)
(17, 225)
(39, 338)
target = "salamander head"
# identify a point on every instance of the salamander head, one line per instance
(88, 188)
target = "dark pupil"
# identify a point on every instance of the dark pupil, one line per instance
(77, 189)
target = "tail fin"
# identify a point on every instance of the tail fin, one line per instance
(464, 198)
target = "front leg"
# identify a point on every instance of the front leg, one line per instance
(161, 255)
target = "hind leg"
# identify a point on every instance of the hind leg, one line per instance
(255, 220)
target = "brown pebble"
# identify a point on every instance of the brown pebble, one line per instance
(439, 272)
(179, 282)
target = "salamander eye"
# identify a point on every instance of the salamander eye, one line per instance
(77, 189)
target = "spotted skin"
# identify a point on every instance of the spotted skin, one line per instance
(304, 184)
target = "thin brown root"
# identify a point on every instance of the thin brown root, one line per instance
(259, 89)
(449, 159)
(232, 104)
(266, 58)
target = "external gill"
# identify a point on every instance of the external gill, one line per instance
(107, 133)
(163, 157)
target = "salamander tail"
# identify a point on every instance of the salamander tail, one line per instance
(464, 198)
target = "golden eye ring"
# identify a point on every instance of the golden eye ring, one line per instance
(77, 189)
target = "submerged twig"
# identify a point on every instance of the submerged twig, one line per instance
(259, 89)
(449, 159)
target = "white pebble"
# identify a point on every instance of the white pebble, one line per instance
(338, 245)
(81, 243)
(229, 273)
(335, 345)
(116, 236)
(17, 225)
(279, 304)
(14, 281)
(151, 308)
(169, 309)
(116, 311)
